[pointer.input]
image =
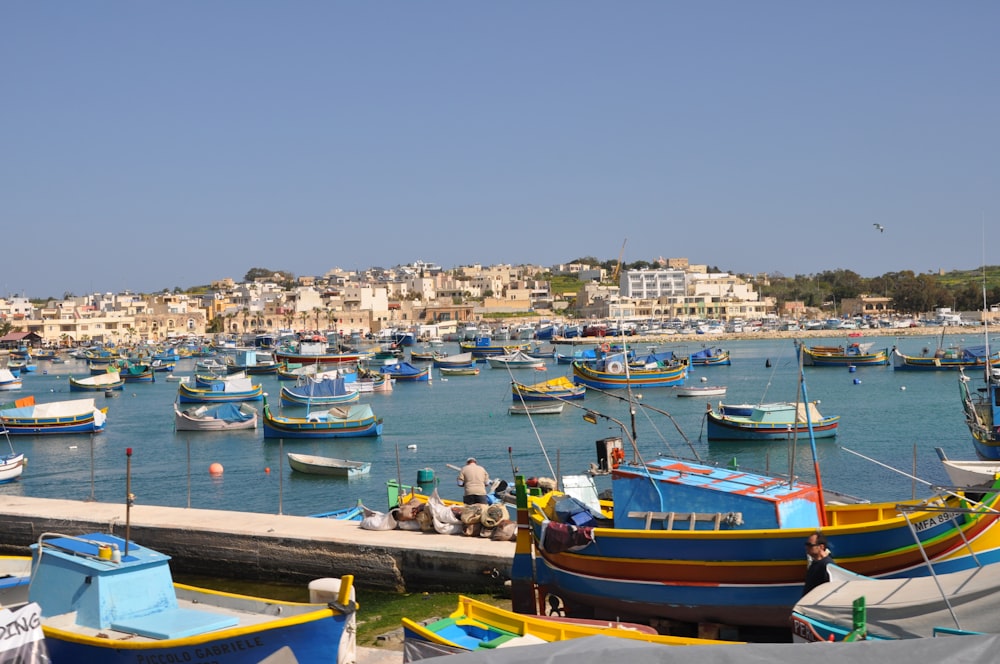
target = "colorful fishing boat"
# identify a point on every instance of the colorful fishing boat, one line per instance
(711, 357)
(312, 351)
(57, 417)
(102, 382)
(329, 466)
(610, 373)
(772, 421)
(982, 414)
(338, 422)
(554, 389)
(251, 362)
(321, 390)
(853, 354)
(241, 389)
(406, 372)
(695, 542)
(137, 373)
(477, 626)
(944, 359)
(104, 599)
(218, 417)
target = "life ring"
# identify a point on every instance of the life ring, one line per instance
(605, 348)
(615, 367)
(617, 456)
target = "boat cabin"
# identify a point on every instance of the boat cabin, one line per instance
(672, 494)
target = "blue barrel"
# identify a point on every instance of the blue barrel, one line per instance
(851, 368)
(426, 480)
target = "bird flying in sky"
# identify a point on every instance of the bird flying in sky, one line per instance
(880, 227)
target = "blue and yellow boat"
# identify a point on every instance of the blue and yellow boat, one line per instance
(107, 600)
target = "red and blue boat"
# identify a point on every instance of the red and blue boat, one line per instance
(57, 417)
(770, 421)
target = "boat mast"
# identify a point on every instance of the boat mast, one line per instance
(812, 445)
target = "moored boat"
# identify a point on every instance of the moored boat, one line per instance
(853, 354)
(554, 389)
(241, 389)
(406, 372)
(218, 417)
(321, 390)
(57, 417)
(153, 619)
(699, 390)
(515, 360)
(537, 408)
(456, 360)
(8, 381)
(338, 422)
(11, 466)
(106, 380)
(476, 626)
(982, 414)
(943, 359)
(723, 545)
(472, 370)
(320, 465)
(611, 373)
(774, 421)
(711, 357)
(955, 603)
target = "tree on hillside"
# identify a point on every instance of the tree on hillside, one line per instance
(255, 273)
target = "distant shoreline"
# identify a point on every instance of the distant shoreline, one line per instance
(715, 339)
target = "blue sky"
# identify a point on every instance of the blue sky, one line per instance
(148, 145)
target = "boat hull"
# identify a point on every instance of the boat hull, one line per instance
(729, 428)
(583, 374)
(188, 394)
(811, 357)
(11, 467)
(315, 465)
(747, 577)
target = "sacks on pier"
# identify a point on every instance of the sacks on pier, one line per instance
(374, 520)
(443, 519)
(505, 531)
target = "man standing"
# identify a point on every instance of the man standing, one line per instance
(819, 560)
(474, 479)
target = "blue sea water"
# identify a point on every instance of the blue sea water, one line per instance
(895, 418)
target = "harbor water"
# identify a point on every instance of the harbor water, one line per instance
(894, 418)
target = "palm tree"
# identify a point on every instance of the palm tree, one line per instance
(316, 312)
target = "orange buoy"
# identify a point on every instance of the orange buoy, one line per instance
(215, 469)
(267, 471)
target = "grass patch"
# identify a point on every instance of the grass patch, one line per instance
(378, 612)
(381, 613)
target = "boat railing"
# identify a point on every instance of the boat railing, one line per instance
(103, 551)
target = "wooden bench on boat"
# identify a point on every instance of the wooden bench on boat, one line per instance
(668, 519)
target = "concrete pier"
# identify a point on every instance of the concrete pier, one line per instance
(270, 547)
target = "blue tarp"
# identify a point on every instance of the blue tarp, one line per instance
(328, 387)
(227, 412)
(706, 353)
